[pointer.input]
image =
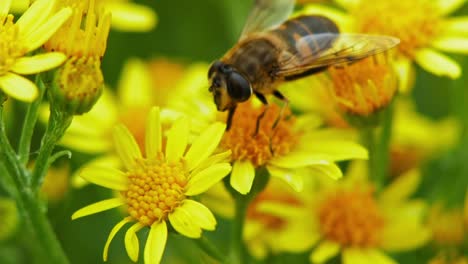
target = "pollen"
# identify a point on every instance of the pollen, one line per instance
(10, 46)
(155, 189)
(351, 218)
(364, 87)
(399, 19)
(268, 142)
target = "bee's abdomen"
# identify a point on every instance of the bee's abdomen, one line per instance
(294, 29)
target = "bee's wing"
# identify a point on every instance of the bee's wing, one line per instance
(326, 49)
(267, 14)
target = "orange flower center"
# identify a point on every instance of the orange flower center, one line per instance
(267, 143)
(351, 218)
(398, 18)
(134, 118)
(10, 47)
(365, 86)
(155, 189)
(447, 226)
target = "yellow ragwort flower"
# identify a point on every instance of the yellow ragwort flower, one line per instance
(156, 186)
(17, 39)
(423, 26)
(286, 150)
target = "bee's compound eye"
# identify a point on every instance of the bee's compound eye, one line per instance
(238, 87)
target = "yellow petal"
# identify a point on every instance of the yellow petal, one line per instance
(153, 136)
(324, 251)
(204, 145)
(97, 207)
(177, 139)
(455, 26)
(155, 243)
(112, 234)
(290, 176)
(85, 143)
(401, 188)
(378, 257)
(18, 6)
(109, 161)
(438, 64)
(347, 4)
(331, 170)
(40, 35)
(405, 72)
(126, 146)
(131, 17)
(38, 63)
(18, 87)
(206, 178)
(338, 150)
(344, 22)
(217, 158)
(355, 256)
(183, 224)
(452, 44)
(200, 214)
(135, 87)
(445, 7)
(242, 176)
(131, 242)
(35, 15)
(106, 177)
(300, 159)
(4, 7)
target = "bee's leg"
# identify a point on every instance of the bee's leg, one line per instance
(285, 100)
(229, 118)
(262, 99)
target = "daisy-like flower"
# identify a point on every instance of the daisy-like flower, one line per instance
(293, 146)
(347, 217)
(156, 186)
(423, 26)
(31, 30)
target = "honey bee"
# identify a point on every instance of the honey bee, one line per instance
(272, 50)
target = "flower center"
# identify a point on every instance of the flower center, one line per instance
(351, 218)
(155, 189)
(81, 78)
(268, 142)
(365, 86)
(10, 46)
(134, 118)
(399, 19)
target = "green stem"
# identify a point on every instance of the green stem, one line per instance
(28, 203)
(29, 123)
(58, 123)
(210, 249)
(238, 252)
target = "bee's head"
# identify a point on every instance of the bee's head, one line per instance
(228, 86)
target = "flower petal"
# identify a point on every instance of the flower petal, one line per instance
(405, 71)
(35, 15)
(206, 178)
(135, 88)
(40, 35)
(445, 7)
(378, 257)
(355, 256)
(324, 251)
(401, 188)
(344, 21)
(338, 150)
(106, 177)
(217, 158)
(153, 134)
(455, 26)
(204, 145)
(183, 224)
(200, 214)
(38, 63)
(132, 17)
(290, 176)
(5, 7)
(452, 44)
(177, 139)
(112, 234)
(299, 159)
(18, 87)
(126, 146)
(131, 242)
(108, 161)
(98, 207)
(242, 176)
(438, 64)
(155, 243)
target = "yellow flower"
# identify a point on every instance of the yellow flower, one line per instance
(448, 226)
(347, 217)
(422, 26)
(285, 151)
(8, 218)
(156, 186)
(31, 30)
(56, 182)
